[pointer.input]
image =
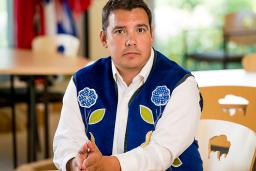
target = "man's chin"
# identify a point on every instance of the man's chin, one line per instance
(133, 67)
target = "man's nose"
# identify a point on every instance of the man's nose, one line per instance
(131, 40)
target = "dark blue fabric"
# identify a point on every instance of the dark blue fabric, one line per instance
(164, 73)
(99, 77)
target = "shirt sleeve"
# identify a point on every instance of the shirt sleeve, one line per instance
(174, 132)
(70, 134)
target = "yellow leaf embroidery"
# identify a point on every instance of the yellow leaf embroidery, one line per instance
(146, 114)
(96, 116)
(147, 139)
(177, 162)
(92, 137)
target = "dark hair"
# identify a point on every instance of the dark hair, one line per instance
(112, 5)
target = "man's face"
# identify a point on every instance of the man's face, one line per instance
(128, 38)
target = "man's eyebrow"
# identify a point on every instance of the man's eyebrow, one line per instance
(118, 27)
(143, 25)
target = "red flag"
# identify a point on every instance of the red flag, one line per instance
(28, 22)
(79, 6)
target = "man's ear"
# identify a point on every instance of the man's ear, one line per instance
(152, 34)
(103, 39)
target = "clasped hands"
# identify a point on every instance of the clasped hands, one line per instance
(89, 158)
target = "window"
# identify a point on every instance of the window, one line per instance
(172, 18)
(3, 23)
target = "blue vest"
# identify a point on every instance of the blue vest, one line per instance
(97, 98)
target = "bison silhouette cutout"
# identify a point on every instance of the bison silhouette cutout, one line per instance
(219, 144)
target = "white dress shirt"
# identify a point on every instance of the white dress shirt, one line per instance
(174, 131)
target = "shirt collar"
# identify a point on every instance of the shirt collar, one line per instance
(144, 71)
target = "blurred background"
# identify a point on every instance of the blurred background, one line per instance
(203, 18)
(180, 27)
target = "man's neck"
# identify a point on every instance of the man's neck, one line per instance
(128, 75)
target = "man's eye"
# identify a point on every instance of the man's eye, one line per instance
(120, 31)
(141, 30)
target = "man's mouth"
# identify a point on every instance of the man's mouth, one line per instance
(131, 53)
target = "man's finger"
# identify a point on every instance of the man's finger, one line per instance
(94, 156)
(92, 147)
(84, 149)
(92, 168)
(91, 160)
(81, 156)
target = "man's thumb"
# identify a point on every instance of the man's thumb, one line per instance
(92, 146)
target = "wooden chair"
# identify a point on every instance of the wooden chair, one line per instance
(40, 165)
(249, 63)
(67, 45)
(226, 133)
(239, 28)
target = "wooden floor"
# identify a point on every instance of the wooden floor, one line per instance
(6, 159)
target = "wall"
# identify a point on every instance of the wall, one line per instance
(96, 48)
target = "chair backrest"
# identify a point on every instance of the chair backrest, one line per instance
(61, 43)
(240, 27)
(226, 134)
(249, 62)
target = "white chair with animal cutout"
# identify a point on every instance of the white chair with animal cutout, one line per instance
(47, 45)
(226, 133)
(66, 44)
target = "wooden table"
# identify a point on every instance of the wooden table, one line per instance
(232, 77)
(25, 62)
(17, 62)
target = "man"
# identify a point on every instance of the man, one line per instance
(139, 109)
